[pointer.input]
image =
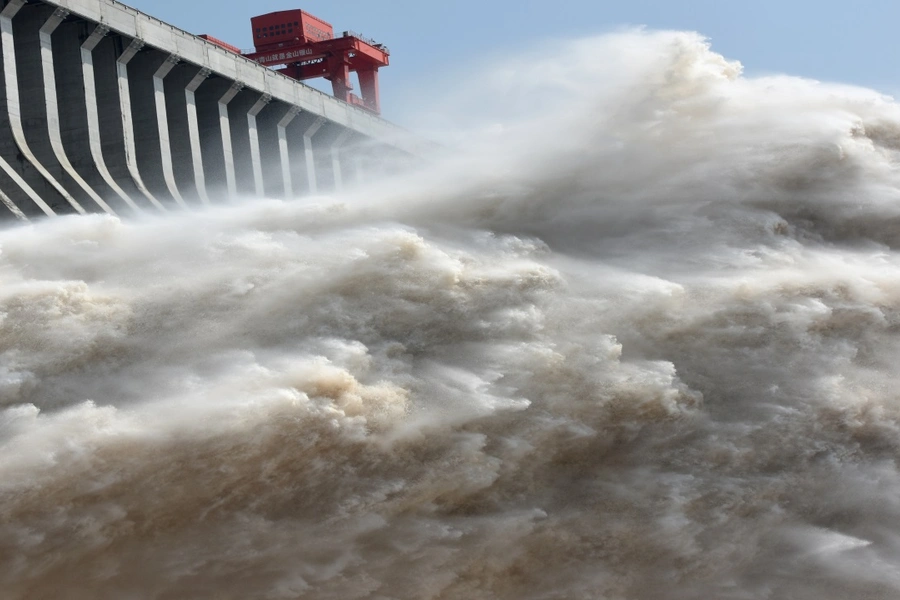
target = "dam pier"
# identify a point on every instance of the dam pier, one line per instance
(106, 109)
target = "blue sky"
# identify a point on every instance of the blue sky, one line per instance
(825, 39)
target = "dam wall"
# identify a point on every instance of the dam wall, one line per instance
(106, 109)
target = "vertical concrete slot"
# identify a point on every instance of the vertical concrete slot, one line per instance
(242, 141)
(253, 133)
(225, 128)
(312, 184)
(284, 151)
(93, 113)
(52, 104)
(128, 121)
(13, 102)
(190, 98)
(162, 123)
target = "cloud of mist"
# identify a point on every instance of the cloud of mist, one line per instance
(638, 342)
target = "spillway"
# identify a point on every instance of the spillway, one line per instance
(106, 109)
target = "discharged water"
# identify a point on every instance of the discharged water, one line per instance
(641, 345)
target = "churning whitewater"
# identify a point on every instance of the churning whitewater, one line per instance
(640, 345)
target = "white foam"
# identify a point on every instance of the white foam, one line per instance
(638, 341)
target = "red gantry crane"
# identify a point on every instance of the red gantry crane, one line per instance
(304, 47)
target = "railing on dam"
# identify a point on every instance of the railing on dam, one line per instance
(112, 110)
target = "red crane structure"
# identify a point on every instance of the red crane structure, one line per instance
(304, 47)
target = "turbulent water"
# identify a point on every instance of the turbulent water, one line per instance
(639, 345)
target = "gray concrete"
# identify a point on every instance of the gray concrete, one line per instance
(241, 146)
(190, 99)
(106, 109)
(92, 115)
(15, 44)
(312, 185)
(162, 127)
(269, 149)
(284, 152)
(129, 138)
(149, 126)
(225, 131)
(75, 107)
(112, 118)
(253, 137)
(212, 140)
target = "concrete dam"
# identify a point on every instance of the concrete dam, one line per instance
(106, 109)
